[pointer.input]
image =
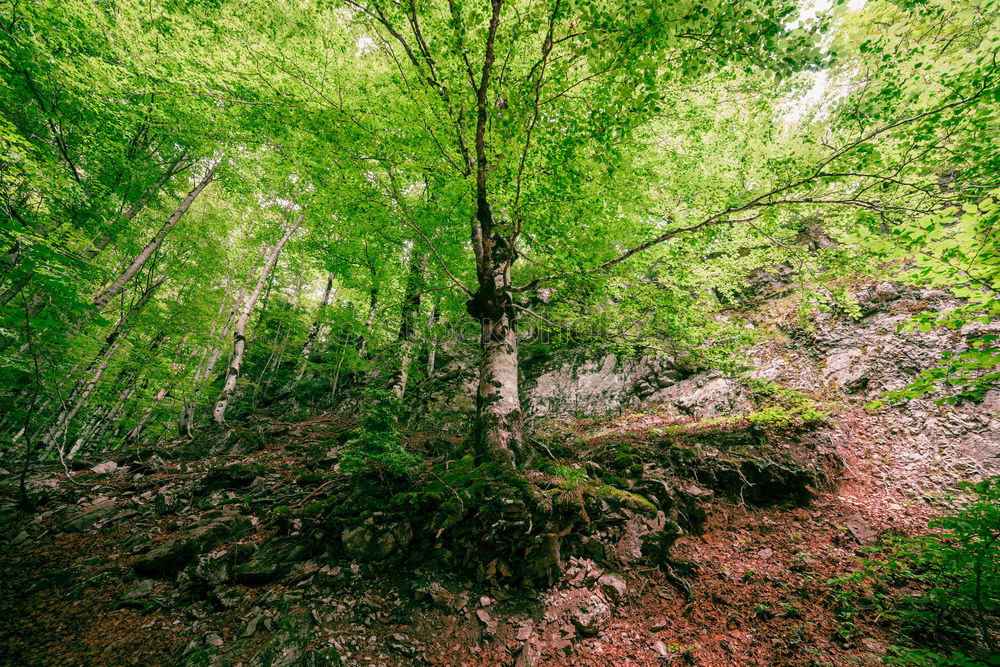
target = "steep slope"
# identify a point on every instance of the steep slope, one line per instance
(703, 525)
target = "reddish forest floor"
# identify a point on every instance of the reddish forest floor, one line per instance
(761, 593)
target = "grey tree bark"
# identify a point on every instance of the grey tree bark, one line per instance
(408, 320)
(239, 328)
(104, 296)
(137, 206)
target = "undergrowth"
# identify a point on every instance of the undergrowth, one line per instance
(942, 588)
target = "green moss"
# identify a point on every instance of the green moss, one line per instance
(627, 498)
(782, 406)
(626, 458)
(777, 416)
(320, 508)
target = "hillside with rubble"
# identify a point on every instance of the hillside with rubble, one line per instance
(709, 520)
(500, 332)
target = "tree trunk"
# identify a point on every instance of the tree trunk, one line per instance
(499, 427)
(369, 321)
(432, 319)
(314, 330)
(334, 386)
(264, 382)
(133, 210)
(239, 328)
(97, 425)
(38, 302)
(83, 388)
(408, 320)
(95, 428)
(109, 292)
(136, 431)
(214, 350)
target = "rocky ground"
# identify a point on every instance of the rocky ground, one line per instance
(706, 525)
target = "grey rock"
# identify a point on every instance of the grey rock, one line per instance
(887, 291)
(256, 623)
(228, 598)
(209, 570)
(590, 615)
(100, 510)
(275, 559)
(173, 554)
(613, 586)
(530, 654)
(436, 593)
(138, 596)
(168, 500)
(290, 647)
(860, 530)
(716, 397)
(372, 542)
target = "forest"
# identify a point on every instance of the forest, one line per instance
(496, 332)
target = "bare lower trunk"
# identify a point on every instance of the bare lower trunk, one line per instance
(272, 366)
(210, 358)
(335, 385)
(136, 431)
(369, 321)
(101, 420)
(499, 428)
(109, 292)
(98, 424)
(239, 328)
(431, 342)
(499, 423)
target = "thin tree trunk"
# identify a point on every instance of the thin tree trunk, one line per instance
(408, 320)
(369, 321)
(97, 425)
(431, 341)
(185, 422)
(101, 428)
(95, 428)
(102, 412)
(239, 328)
(133, 210)
(38, 301)
(83, 388)
(136, 431)
(314, 330)
(204, 372)
(336, 376)
(109, 292)
(275, 357)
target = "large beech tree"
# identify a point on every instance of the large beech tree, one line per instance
(532, 106)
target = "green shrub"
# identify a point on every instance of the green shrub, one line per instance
(377, 451)
(957, 572)
(781, 406)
